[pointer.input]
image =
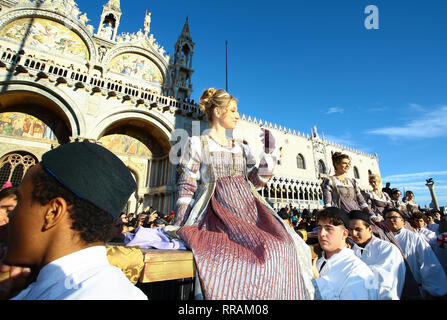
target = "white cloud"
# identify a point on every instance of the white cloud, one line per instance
(416, 107)
(433, 124)
(416, 175)
(335, 110)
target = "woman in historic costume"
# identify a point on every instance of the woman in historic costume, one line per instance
(399, 204)
(377, 199)
(242, 248)
(412, 206)
(343, 192)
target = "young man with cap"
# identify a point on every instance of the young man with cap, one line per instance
(65, 210)
(382, 257)
(339, 274)
(422, 261)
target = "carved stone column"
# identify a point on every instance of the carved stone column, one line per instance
(431, 186)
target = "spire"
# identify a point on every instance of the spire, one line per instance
(185, 31)
(114, 4)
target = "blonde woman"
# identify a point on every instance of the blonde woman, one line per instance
(243, 250)
(378, 200)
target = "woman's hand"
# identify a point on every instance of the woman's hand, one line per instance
(268, 140)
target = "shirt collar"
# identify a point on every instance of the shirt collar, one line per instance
(66, 265)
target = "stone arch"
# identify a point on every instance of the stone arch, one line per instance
(77, 28)
(51, 106)
(156, 129)
(161, 64)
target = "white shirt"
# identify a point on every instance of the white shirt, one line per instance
(344, 277)
(82, 275)
(429, 236)
(387, 264)
(440, 249)
(433, 227)
(423, 263)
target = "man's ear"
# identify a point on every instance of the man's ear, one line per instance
(55, 212)
(345, 233)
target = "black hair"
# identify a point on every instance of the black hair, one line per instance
(331, 213)
(418, 215)
(392, 209)
(7, 192)
(395, 190)
(283, 214)
(337, 157)
(92, 223)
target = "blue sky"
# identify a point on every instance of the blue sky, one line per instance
(313, 62)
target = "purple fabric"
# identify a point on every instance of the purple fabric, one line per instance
(149, 238)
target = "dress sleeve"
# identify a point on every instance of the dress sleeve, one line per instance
(259, 176)
(326, 187)
(360, 200)
(189, 170)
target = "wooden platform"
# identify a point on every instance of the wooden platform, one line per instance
(162, 265)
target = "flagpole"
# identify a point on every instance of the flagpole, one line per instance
(226, 65)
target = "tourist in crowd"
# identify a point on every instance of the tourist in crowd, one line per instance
(377, 199)
(437, 216)
(419, 224)
(285, 216)
(339, 274)
(422, 261)
(8, 201)
(61, 222)
(342, 192)
(411, 205)
(226, 217)
(382, 257)
(387, 189)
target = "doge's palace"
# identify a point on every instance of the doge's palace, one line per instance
(62, 79)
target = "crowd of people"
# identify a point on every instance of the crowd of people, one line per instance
(369, 245)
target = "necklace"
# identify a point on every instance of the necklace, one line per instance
(220, 144)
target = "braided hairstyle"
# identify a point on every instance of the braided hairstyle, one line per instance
(214, 98)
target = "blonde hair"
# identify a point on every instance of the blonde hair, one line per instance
(214, 98)
(375, 176)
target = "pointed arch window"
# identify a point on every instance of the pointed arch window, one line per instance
(356, 173)
(321, 167)
(300, 162)
(14, 166)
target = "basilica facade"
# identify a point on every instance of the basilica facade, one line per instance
(62, 80)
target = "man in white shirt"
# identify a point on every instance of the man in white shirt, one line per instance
(421, 259)
(420, 226)
(382, 257)
(431, 224)
(65, 210)
(339, 274)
